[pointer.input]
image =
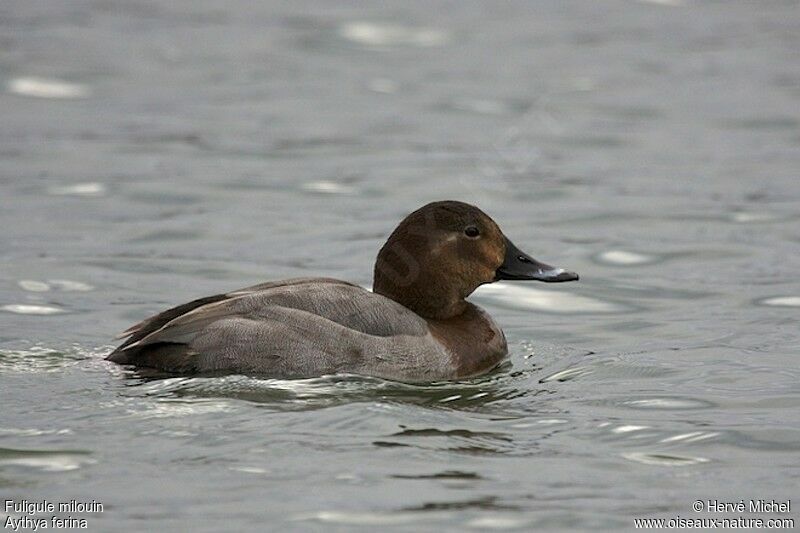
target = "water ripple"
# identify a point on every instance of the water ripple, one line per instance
(43, 359)
(663, 459)
(54, 284)
(88, 189)
(380, 35)
(668, 403)
(46, 88)
(781, 301)
(45, 460)
(533, 299)
(328, 187)
(358, 518)
(626, 258)
(32, 309)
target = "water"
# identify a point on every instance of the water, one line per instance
(153, 152)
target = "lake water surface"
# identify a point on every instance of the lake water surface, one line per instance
(156, 151)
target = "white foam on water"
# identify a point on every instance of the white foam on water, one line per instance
(625, 258)
(782, 301)
(533, 299)
(78, 189)
(375, 34)
(30, 309)
(46, 88)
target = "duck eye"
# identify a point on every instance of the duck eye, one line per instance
(471, 231)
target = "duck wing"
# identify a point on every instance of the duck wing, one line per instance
(151, 324)
(301, 326)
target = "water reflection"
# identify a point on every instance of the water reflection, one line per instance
(214, 147)
(375, 34)
(528, 298)
(89, 189)
(47, 88)
(626, 258)
(32, 309)
(781, 301)
(45, 460)
(663, 459)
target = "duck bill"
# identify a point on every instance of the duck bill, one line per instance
(519, 265)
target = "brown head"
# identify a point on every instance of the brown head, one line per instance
(443, 251)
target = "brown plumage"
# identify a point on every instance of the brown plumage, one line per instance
(416, 325)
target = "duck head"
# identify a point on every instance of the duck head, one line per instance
(443, 251)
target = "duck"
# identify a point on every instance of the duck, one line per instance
(414, 326)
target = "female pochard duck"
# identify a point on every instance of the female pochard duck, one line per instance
(414, 326)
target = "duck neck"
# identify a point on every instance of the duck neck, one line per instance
(428, 300)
